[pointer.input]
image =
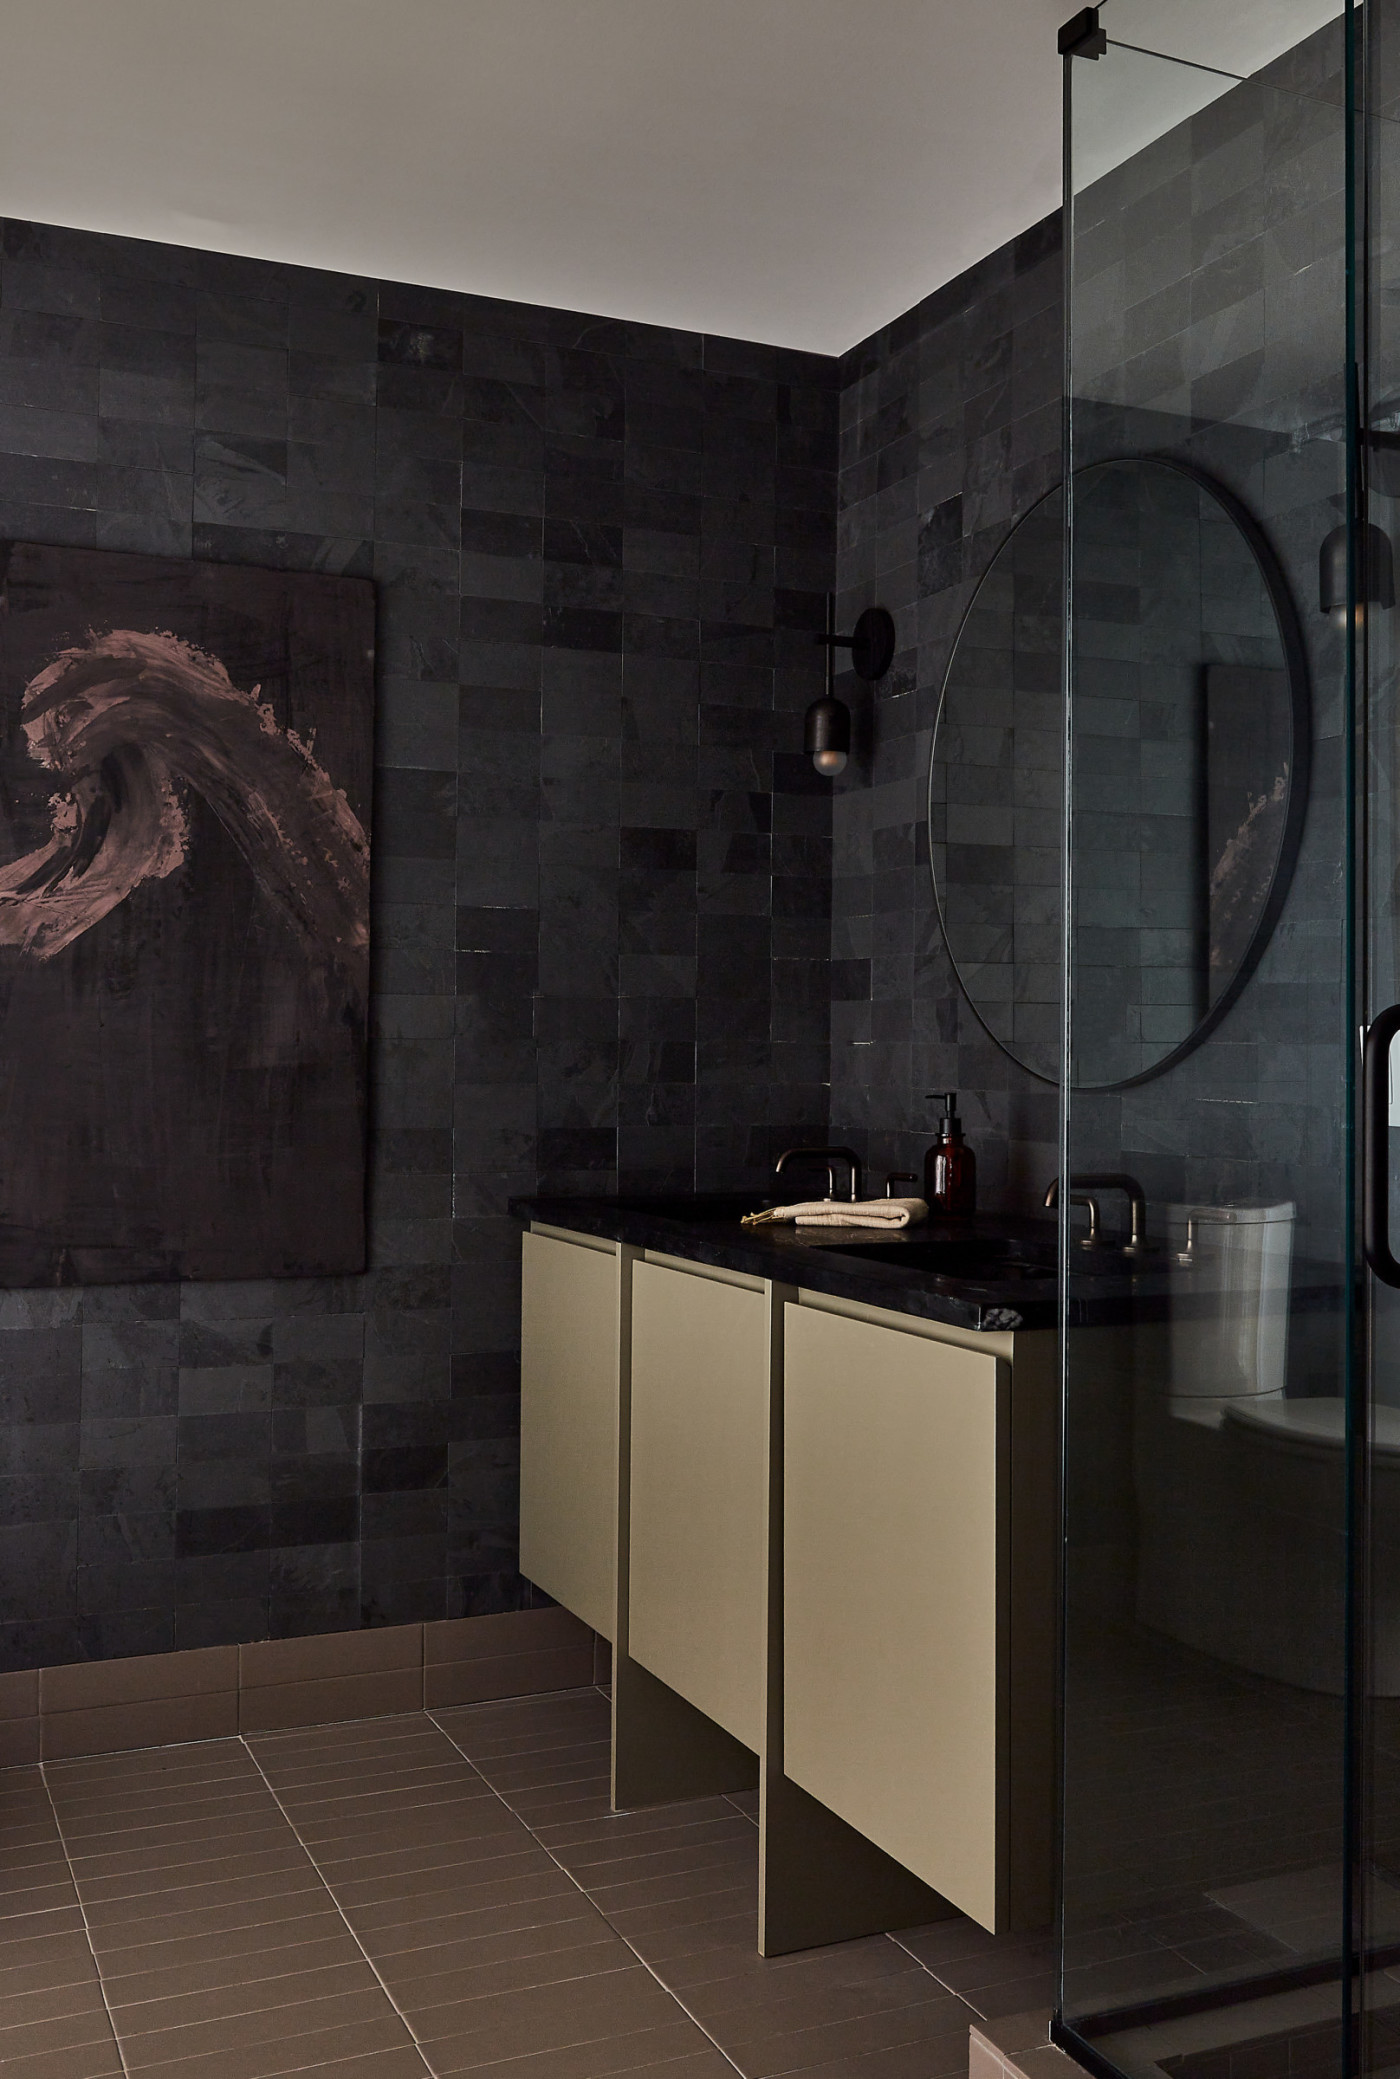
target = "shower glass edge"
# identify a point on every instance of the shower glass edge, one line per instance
(1215, 1736)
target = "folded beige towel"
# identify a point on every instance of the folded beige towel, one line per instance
(834, 1212)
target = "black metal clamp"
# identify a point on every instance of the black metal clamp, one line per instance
(1081, 36)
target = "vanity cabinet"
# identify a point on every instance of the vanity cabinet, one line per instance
(569, 1352)
(820, 1537)
(919, 1595)
(699, 1473)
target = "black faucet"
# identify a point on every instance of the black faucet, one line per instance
(847, 1155)
(1083, 1183)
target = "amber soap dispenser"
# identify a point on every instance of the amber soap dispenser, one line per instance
(950, 1167)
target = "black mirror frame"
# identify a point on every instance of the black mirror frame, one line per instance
(1300, 708)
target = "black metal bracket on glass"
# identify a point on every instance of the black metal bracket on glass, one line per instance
(1081, 36)
(870, 642)
(1375, 1146)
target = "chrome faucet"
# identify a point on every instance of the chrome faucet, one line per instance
(1084, 1183)
(847, 1155)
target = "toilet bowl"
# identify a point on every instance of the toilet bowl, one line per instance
(1240, 1490)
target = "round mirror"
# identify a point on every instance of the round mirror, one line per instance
(1190, 772)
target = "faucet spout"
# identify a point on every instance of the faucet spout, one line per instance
(826, 1155)
(1086, 1181)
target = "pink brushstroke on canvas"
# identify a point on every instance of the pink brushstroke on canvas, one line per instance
(127, 722)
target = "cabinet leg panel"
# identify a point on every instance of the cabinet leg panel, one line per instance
(664, 1750)
(821, 1881)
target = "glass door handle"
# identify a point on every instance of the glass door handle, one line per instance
(1375, 1146)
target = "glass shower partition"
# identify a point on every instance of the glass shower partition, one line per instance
(1214, 1716)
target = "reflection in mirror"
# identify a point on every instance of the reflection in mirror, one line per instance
(1189, 775)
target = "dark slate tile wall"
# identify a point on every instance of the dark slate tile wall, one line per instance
(601, 899)
(950, 430)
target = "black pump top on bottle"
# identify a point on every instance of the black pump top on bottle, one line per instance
(949, 1101)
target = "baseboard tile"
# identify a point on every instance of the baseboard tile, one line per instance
(484, 1681)
(280, 1706)
(213, 1692)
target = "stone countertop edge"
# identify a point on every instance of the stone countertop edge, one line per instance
(961, 1302)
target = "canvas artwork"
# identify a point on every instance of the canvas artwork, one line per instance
(184, 918)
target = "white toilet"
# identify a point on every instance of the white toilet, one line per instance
(1240, 1491)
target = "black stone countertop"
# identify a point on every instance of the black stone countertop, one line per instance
(706, 1229)
(921, 1270)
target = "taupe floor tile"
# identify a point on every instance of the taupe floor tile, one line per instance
(943, 2057)
(196, 1881)
(230, 1963)
(29, 1965)
(644, 1820)
(684, 1925)
(419, 1997)
(596, 1846)
(260, 1896)
(349, 2042)
(692, 1888)
(248, 1994)
(20, 1927)
(372, 1880)
(577, 1928)
(28, 1899)
(330, 2014)
(57, 2003)
(719, 1981)
(178, 1946)
(58, 2032)
(150, 1864)
(511, 2024)
(675, 2051)
(85, 2061)
(776, 2002)
(521, 1879)
(463, 1820)
(124, 1931)
(764, 2052)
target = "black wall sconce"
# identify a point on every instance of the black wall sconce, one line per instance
(1376, 574)
(827, 734)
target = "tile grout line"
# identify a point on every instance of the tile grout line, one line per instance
(583, 1892)
(87, 1931)
(975, 2020)
(325, 1886)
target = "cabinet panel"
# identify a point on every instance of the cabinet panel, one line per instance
(568, 1425)
(894, 1510)
(696, 1604)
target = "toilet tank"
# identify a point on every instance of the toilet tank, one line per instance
(1229, 1306)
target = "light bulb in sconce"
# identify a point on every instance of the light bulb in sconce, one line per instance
(827, 735)
(1375, 574)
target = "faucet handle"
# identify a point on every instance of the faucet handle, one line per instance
(899, 1176)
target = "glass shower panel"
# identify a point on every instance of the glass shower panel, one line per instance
(1379, 1704)
(1209, 1048)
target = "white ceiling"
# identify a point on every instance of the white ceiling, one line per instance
(798, 171)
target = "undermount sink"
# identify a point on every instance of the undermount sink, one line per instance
(982, 1258)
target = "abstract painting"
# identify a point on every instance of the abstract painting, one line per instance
(184, 918)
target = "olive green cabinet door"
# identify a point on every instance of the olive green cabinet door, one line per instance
(893, 1512)
(568, 1425)
(699, 1474)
